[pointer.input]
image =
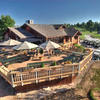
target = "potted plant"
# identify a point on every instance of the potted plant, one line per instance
(42, 65)
(41, 51)
(54, 63)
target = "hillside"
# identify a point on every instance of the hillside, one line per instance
(90, 81)
(86, 32)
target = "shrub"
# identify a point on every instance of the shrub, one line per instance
(80, 48)
(54, 63)
(41, 51)
(42, 65)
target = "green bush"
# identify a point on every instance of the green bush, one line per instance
(54, 63)
(91, 94)
(80, 48)
(41, 51)
(42, 65)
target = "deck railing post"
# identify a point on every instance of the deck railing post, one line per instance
(73, 70)
(61, 72)
(49, 74)
(79, 69)
(36, 74)
(12, 80)
(21, 79)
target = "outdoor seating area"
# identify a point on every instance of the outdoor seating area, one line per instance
(40, 57)
(20, 62)
(15, 59)
(28, 61)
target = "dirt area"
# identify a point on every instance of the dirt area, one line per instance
(87, 84)
(24, 64)
(97, 95)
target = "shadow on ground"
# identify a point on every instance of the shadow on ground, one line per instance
(5, 88)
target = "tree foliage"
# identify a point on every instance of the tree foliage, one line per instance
(5, 22)
(90, 25)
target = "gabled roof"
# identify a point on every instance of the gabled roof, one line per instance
(20, 32)
(47, 30)
(24, 32)
(71, 31)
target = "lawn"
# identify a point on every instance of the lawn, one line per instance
(85, 32)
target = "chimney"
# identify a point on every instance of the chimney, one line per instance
(29, 22)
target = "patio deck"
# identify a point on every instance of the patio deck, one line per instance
(38, 75)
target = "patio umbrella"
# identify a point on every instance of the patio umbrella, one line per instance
(25, 45)
(49, 45)
(10, 42)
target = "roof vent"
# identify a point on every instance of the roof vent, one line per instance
(29, 22)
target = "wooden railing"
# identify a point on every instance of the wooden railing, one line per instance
(16, 78)
(4, 72)
(86, 60)
(43, 74)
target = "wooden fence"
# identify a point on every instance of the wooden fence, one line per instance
(86, 60)
(43, 74)
(37, 75)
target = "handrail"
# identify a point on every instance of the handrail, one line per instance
(36, 74)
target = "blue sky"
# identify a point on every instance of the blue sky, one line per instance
(51, 11)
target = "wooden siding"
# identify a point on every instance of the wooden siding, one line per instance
(10, 35)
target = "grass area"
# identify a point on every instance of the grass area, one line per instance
(85, 32)
(96, 78)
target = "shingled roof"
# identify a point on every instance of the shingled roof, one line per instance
(47, 30)
(20, 32)
(57, 26)
(71, 31)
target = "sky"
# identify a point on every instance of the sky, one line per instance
(51, 11)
